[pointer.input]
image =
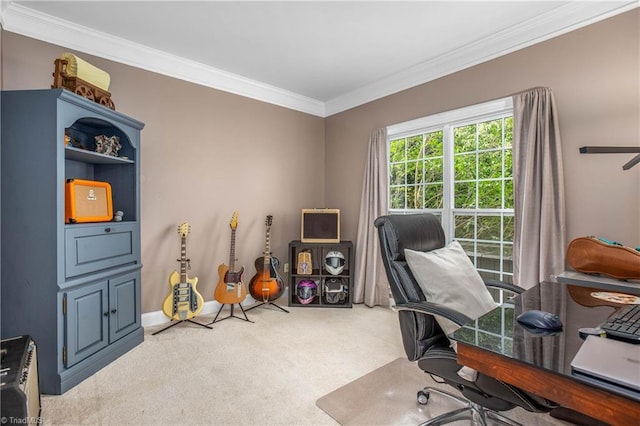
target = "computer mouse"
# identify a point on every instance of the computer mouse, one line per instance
(540, 320)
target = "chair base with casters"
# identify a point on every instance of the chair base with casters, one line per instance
(472, 411)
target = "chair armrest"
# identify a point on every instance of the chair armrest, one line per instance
(429, 308)
(503, 286)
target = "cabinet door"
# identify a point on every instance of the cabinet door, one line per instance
(86, 322)
(124, 305)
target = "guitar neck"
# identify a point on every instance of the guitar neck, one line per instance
(267, 250)
(232, 251)
(183, 260)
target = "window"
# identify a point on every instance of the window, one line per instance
(458, 165)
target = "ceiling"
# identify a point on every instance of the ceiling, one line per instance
(319, 57)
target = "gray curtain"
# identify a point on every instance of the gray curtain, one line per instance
(370, 281)
(539, 238)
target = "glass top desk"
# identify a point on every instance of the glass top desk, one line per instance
(498, 346)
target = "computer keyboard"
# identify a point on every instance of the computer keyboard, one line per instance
(624, 324)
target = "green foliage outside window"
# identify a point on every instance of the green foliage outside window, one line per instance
(416, 172)
(482, 174)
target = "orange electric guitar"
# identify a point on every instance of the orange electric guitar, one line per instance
(230, 288)
(184, 301)
(266, 285)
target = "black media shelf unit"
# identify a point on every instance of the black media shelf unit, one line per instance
(319, 273)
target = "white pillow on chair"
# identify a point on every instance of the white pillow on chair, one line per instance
(447, 277)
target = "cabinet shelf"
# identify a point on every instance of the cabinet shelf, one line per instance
(78, 154)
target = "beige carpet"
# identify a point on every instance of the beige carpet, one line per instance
(270, 372)
(387, 396)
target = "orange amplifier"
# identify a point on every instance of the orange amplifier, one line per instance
(87, 201)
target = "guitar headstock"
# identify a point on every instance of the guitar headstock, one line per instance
(234, 220)
(183, 229)
(268, 221)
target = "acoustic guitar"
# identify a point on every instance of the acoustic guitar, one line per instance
(183, 302)
(230, 288)
(266, 285)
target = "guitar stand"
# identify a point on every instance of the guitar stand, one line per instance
(231, 315)
(179, 322)
(268, 303)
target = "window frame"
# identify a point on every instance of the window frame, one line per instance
(446, 122)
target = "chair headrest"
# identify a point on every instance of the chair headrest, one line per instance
(419, 232)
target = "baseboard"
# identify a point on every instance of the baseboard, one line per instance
(150, 319)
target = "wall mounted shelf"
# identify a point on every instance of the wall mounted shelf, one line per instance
(615, 150)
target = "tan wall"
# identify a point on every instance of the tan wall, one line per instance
(594, 72)
(205, 153)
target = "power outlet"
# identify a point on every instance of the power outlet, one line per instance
(286, 267)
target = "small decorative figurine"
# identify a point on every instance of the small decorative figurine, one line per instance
(118, 216)
(108, 145)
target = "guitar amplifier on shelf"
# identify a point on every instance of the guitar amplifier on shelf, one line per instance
(320, 226)
(87, 201)
(19, 386)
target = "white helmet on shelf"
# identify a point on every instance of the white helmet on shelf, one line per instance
(334, 262)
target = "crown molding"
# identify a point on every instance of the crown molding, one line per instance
(28, 22)
(559, 21)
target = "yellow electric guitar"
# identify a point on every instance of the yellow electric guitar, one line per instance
(183, 302)
(230, 288)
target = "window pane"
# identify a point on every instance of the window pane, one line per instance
(433, 170)
(490, 194)
(490, 164)
(508, 194)
(489, 228)
(464, 138)
(464, 166)
(414, 147)
(464, 226)
(433, 145)
(489, 250)
(508, 228)
(507, 265)
(486, 264)
(465, 195)
(396, 150)
(414, 197)
(397, 174)
(396, 196)
(508, 163)
(508, 132)
(433, 196)
(414, 172)
(490, 134)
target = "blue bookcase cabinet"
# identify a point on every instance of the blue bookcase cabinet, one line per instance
(74, 288)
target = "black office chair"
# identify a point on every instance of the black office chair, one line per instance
(423, 339)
